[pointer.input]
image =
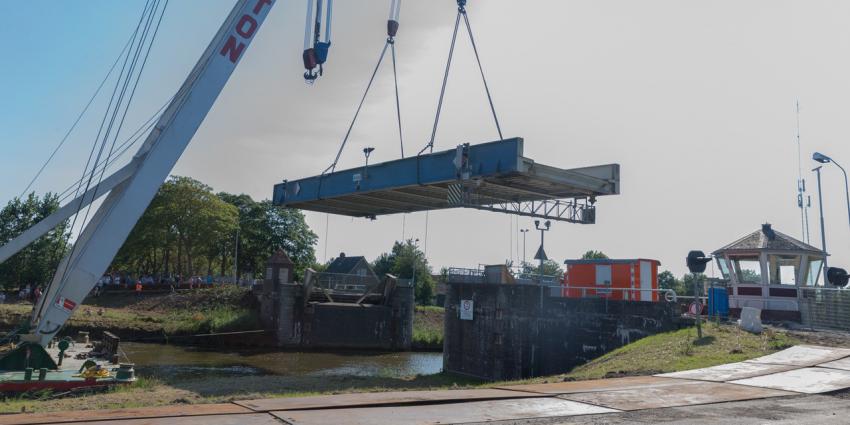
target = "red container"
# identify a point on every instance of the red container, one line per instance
(628, 280)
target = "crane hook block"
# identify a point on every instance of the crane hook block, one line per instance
(392, 28)
(321, 52)
(309, 57)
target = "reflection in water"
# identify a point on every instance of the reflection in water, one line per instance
(179, 362)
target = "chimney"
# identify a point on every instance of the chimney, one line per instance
(768, 231)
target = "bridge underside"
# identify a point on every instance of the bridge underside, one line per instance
(492, 176)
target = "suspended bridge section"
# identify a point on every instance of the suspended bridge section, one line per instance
(492, 176)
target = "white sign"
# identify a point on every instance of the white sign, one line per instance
(466, 309)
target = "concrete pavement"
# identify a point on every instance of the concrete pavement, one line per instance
(756, 390)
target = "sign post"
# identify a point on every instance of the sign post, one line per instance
(466, 309)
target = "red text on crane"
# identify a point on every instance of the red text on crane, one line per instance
(245, 29)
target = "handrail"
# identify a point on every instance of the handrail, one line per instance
(672, 297)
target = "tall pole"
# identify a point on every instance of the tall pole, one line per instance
(236, 259)
(524, 231)
(846, 188)
(822, 226)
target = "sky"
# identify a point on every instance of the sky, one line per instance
(695, 100)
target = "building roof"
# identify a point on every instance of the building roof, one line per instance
(344, 264)
(767, 239)
(280, 257)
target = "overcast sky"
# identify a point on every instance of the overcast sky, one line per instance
(694, 99)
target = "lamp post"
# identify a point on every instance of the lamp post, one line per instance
(367, 152)
(823, 159)
(413, 263)
(523, 231)
(541, 254)
(822, 226)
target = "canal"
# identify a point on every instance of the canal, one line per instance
(184, 362)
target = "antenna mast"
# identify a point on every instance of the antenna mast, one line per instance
(804, 202)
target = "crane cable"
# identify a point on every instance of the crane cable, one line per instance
(392, 30)
(143, 42)
(461, 12)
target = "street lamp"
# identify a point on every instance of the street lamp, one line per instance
(822, 227)
(823, 159)
(413, 262)
(541, 254)
(523, 231)
(367, 151)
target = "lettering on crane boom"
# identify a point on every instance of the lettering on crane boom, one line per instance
(245, 28)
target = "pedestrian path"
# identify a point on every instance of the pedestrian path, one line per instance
(802, 369)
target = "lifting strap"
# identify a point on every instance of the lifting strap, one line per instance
(392, 30)
(461, 12)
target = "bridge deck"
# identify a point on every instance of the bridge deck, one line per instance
(476, 176)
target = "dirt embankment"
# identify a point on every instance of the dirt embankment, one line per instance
(157, 316)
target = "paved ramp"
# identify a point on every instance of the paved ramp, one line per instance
(798, 370)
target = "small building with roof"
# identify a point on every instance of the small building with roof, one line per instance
(345, 270)
(764, 270)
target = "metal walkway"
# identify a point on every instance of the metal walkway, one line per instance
(492, 176)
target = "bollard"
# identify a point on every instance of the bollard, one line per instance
(28, 374)
(42, 374)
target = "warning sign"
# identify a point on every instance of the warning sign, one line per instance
(65, 304)
(695, 308)
(466, 308)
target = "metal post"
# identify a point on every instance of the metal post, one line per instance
(698, 303)
(822, 226)
(524, 231)
(846, 188)
(236, 259)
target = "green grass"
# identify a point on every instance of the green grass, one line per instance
(428, 327)
(679, 350)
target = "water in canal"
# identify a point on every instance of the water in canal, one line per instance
(180, 362)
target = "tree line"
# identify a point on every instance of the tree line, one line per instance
(35, 264)
(187, 230)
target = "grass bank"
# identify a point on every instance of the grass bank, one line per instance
(428, 328)
(156, 316)
(680, 350)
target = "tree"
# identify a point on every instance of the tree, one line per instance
(550, 268)
(36, 263)
(405, 261)
(666, 280)
(185, 217)
(594, 255)
(263, 228)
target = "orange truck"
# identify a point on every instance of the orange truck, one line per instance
(628, 280)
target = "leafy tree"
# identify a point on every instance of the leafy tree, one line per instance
(550, 268)
(189, 230)
(594, 255)
(36, 263)
(185, 217)
(263, 228)
(666, 280)
(403, 261)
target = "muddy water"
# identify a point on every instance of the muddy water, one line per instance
(180, 362)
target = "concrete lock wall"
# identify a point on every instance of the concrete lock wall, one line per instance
(519, 331)
(317, 325)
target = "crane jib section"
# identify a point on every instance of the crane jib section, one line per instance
(103, 235)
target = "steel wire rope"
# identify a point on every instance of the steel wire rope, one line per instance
(77, 121)
(132, 75)
(143, 39)
(37, 315)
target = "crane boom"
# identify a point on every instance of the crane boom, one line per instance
(102, 237)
